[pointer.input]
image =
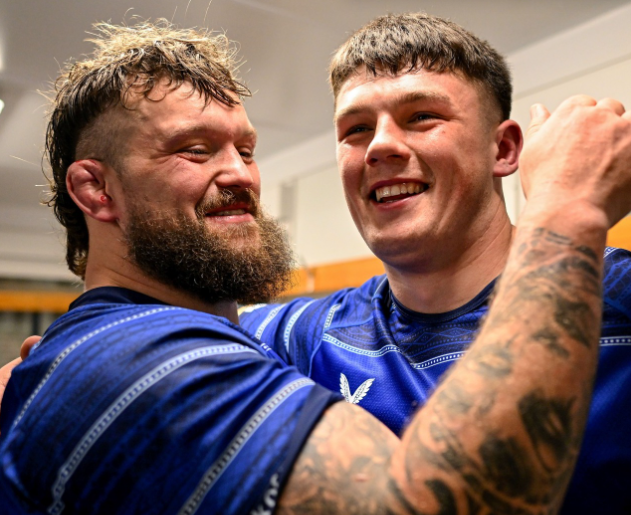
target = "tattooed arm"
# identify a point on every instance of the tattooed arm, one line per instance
(502, 432)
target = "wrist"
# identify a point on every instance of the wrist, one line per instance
(552, 208)
(581, 221)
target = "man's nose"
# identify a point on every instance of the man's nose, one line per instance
(233, 172)
(388, 144)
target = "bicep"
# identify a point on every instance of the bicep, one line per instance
(343, 466)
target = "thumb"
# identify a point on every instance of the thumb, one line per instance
(27, 345)
(538, 115)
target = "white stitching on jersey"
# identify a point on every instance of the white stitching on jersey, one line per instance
(211, 476)
(452, 356)
(609, 250)
(64, 354)
(270, 316)
(611, 341)
(364, 352)
(330, 315)
(123, 401)
(290, 325)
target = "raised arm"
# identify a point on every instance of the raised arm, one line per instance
(502, 432)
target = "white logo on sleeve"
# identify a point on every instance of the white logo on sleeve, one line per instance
(359, 394)
(270, 498)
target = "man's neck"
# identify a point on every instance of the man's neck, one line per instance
(449, 279)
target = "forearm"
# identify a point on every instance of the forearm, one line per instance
(495, 435)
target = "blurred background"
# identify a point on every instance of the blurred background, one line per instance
(556, 48)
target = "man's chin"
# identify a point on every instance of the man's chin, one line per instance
(237, 236)
(242, 261)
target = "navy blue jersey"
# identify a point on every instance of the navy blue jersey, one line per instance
(363, 343)
(129, 405)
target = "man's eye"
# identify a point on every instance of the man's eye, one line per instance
(357, 129)
(195, 151)
(246, 154)
(421, 117)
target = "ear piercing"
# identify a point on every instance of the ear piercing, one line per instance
(104, 199)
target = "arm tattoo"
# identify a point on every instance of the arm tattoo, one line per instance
(342, 467)
(494, 438)
(503, 468)
(549, 426)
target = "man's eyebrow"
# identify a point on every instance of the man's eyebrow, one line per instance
(418, 96)
(409, 97)
(176, 133)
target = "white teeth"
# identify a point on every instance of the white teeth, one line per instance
(229, 213)
(411, 188)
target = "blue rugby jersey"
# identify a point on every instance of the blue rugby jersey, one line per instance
(129, 405)
(363, 343)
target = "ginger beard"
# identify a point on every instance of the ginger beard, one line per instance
(248, 263)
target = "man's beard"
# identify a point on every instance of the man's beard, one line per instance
(213, 266)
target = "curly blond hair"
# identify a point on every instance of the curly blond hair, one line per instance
(127, 58)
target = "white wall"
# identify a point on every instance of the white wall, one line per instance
(30, 243)
(325, 231)
(593, 59)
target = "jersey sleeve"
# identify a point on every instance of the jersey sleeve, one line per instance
(190, 421)
(294, 330)
(617, 282)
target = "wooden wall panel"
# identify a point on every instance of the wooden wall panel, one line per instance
(620, 234)
(328, 278)
(36, 301)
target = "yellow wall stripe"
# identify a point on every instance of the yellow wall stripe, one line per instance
(36, 301)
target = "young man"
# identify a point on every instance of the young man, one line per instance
(146, 398)
(422, 118)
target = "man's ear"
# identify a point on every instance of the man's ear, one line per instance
(86, 181)
(509, 140)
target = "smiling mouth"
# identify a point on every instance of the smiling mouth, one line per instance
(229, 212)
(396, 192)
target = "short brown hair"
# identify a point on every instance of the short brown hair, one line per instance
(126, 58)
(405, 42)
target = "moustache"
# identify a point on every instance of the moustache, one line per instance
(228, 197)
